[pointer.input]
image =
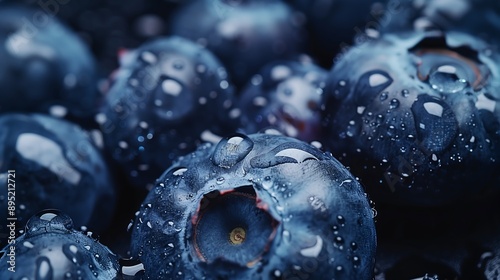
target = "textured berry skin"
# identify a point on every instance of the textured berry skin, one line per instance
(45, 67)
(320, 222)
(56, 166)
(415, 116)
(51, 249)
(287, 96)
(245, 35)
(152, 111)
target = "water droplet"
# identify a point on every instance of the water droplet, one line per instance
(229, 151)
(72, 253)
(296, 154)
(313, 252)
(339, 240)
(130, 267)
(369, 85)
(341, 220)
(44, 270)
(384, 95)
(377, 79)
(434, 108)
(280, 72)
(179, 171)
(28, 244)
(356, 261)
(220, 180)
(445, 79)
(171, 87)
(49, 220)
(149, 57)
(405, 93)
(435, 123)
(267, 183)
(394, 104)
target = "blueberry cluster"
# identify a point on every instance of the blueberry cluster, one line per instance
(249, 139)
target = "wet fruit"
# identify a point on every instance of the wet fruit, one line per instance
(56, 165)
(51, 248)
(45, 66)
(415, 116)
(245, 35)
(164, 99)
(257, 206)
(286, 96)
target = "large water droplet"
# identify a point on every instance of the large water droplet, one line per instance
(44, 270)
(232, 150)
(285, 153)
(435, 123)
(370, 84)
(445, 79)
(48, 221)
(130, 267)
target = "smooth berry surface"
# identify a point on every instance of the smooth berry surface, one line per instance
(57, 165)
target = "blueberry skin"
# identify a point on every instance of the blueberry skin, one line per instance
(152, 111)
(51, 248)
(287, 96)
(44, 66)
(56, 166)
(245, 35)
(321, 225)
(415, 116)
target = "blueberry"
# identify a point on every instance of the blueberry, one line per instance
(168, 96)
(56, 165)
(244, 34)
(415, 116)
(262, 206)
(285, 95)
(51, 248)
(45, 67)
(480, 17)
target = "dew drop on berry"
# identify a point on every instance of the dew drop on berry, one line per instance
(435, 123)
(394, 104)
(232, 150)
(44, 270)
(72, 253)
(369, 85)
(130, 268)
(445, 79)
(49, 220)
